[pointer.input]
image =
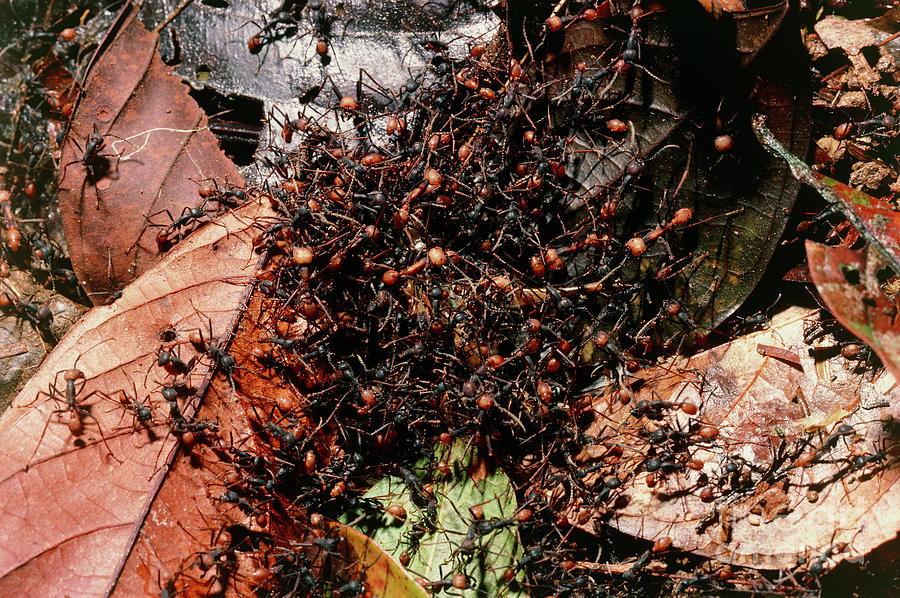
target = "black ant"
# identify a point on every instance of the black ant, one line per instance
(294, 575)
(414, 485)
(281, 25)
(232, 197)
(172, 232)
(639, 564)
(532, 556)
(865, 127)
(329, 545)
(459, 581)
(322, 24)
(565, 589)
(91, 154)
(818, 567)
(39, 316)
(351, 589)
(224, 361)
(233, 497)
(142, 413)
(862, 461)
(632, 52)
(167, 359)
(754, 322)
(291, 344)
(95, 164)
(290, 442)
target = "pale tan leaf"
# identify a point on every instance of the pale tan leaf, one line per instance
(769, 414)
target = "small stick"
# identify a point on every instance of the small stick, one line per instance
(779, 353)
(13, 350)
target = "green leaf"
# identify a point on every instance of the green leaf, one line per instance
(471, 482)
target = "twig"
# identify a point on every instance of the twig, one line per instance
(803, 173)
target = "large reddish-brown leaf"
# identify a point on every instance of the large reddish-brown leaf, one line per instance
(159, 152)
(769, 410)
(187, 517)
(74, 507)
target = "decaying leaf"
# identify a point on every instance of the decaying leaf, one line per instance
(851, 37)
(79, 477)
(857, 285)
(851, 282)
(451, 541)
(750, 459)
(136, 155)
(17, 365)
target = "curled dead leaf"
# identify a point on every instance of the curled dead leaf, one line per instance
(365, 561)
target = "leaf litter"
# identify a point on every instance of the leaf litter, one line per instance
(741, 492)
(794, 461)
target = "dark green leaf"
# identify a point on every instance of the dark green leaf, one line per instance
(690, 75)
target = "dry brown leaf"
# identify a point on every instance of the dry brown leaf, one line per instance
(157, 151)
(851, 37)
(17, 366)
(74, 506)
(188, 517)
(768, 413)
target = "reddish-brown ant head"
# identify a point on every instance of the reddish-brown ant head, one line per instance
(163, 240)
(73, 375)
(13, 238)
(554, 23)
(75, 424)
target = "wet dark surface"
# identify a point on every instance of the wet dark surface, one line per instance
(208, 45)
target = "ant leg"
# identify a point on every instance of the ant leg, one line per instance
(75, 429)
(76, 161)
(87, 413)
